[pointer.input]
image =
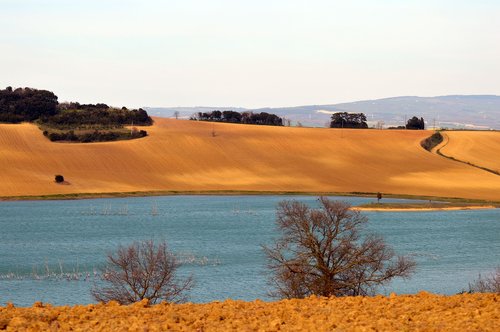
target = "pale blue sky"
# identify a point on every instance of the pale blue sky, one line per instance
(249, 53)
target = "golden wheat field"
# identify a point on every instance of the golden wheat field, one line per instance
(481, 148)
(420, 312)
(200, 156)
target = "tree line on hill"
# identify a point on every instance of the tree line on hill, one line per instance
(74, 115)
(94, 136)
(261, 118)
(41, 106)
(348, 120)
(358, 120)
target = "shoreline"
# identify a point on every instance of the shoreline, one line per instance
(463, 203)
(417, 209)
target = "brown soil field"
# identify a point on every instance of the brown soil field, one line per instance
(185, 156)
(481, 148)
(421, 312)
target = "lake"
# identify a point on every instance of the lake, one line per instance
(49, 250)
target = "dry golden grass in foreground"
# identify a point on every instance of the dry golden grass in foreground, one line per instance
(185, 156)
(421, 312)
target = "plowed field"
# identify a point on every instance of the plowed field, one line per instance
(421, 312)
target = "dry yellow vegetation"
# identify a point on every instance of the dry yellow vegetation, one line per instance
(481, 148)
(185, 156)
(421, 312)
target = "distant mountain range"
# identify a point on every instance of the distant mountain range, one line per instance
(457, 111)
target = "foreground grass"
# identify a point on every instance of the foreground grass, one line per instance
(422, 312)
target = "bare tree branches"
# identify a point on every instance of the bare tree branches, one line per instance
(321, 252)
(142, 270)
(488, 284)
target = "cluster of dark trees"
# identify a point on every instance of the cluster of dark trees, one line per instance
(95, 136)
(262, 118)
(348, 120)
(88, 115)
(358, 120)
(78, 106)
(415, 123)
(25, 104)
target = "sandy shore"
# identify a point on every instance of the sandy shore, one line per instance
(451, 208)
(421, 312)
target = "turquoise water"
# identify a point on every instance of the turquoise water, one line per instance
(50, 249)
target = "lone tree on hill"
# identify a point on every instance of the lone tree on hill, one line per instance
(140, 271)
(59, 178)
(321, 252)
(348, 120)
(415, 123)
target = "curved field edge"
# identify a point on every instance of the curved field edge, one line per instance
(437, 149)
(423, 311)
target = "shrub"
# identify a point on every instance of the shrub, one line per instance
(489, 284)
(140, 271)
(59, 178)
(430, 142)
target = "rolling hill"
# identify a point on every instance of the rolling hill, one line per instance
(456, 111)
(185, 156)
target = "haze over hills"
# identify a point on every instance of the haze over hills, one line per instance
(454, 111)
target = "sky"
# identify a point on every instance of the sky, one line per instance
(252, 53)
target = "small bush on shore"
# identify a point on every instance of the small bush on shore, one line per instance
(488, 284)
(142, 270)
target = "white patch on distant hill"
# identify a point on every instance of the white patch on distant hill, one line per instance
(458, 125)
(333, 112)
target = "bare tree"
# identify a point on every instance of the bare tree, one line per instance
(321, 252)
(140, 271)
(489, 284)
(176, 114)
